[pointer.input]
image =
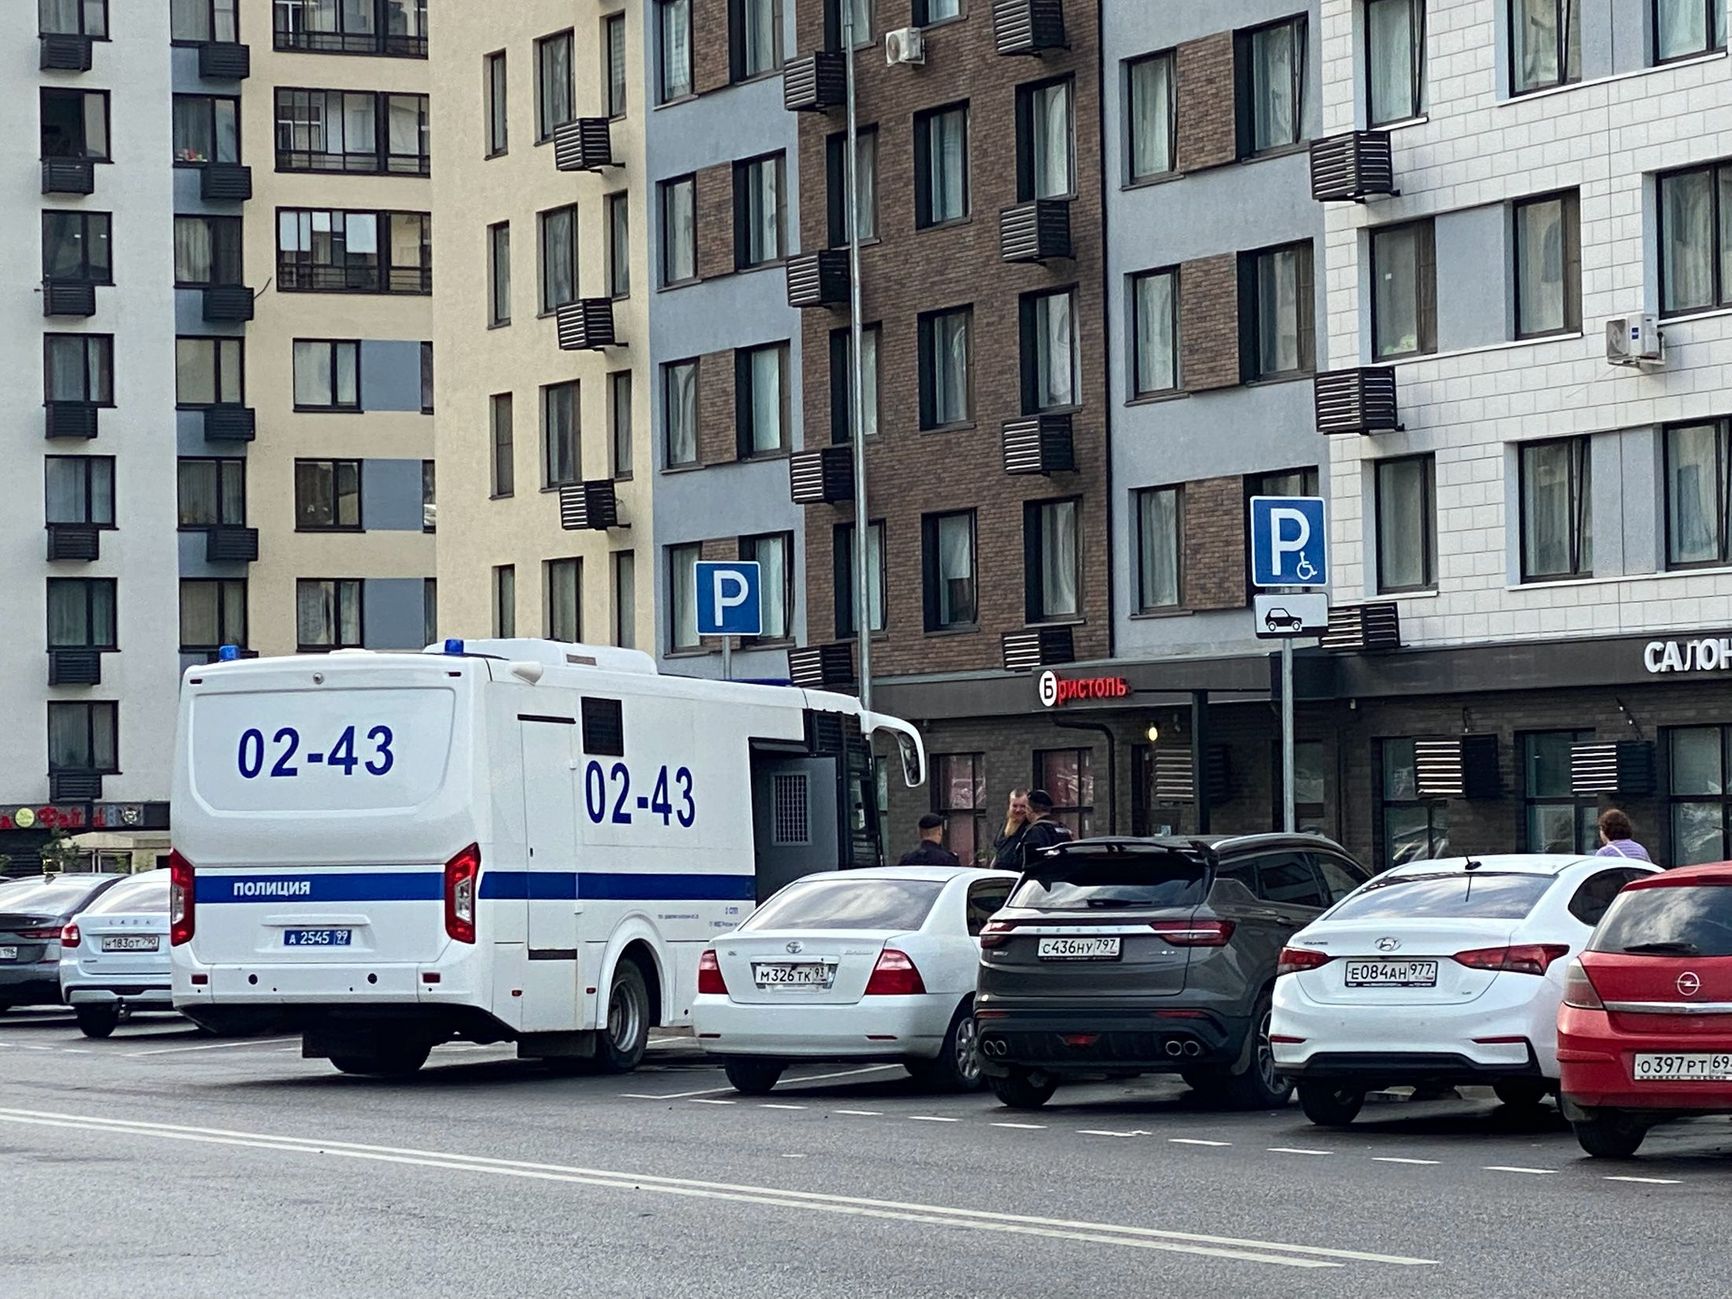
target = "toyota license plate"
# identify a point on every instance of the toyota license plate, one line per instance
(1392, 974)
(1100, 947)
(318, 937)
(1683, 1066)
(131, 943)
(796, 974)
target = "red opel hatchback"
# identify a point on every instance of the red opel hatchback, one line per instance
(1645, 1031)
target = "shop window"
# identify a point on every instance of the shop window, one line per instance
(959, 796)
(1068, 775)
(1699, 758)
(1310, 781)
(1556, 820)
(1412, 830)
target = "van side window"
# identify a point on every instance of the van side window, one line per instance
(1339, 877)
(1287, 879)
(1597, 891)
(603, 728)
(985, 900)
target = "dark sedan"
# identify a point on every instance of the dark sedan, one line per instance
(32, 913)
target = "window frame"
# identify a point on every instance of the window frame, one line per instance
(836, 185)
(84, 153)
(1133, 297)
(745, 394)
(101, 599)
(1036, 362)
(1132, 175)
(219, 231)
(1140, 498)
(1416, 10)
(546, 104)
(1723, 491)
(548, 300)
(429, 497)
(668, 371)
(230, 513)
(623, 564)
(92, 709)
(1437, 828)
(924, 122)
(97, 348)
(927, 325)
(1569, 25)
(677, 557)
(551, 477)
(616, 209)
(1245, 45)
(747, 175)
(334, 469)
(1078, 817)
(84, 9)
(943, 767)
(378, 159)
(1424, 290)
(504, 591)
(1569, 218)
(622, 450)
(222, 590)
(749, 553)
(502, 452)
(1251, 322)
(1026, 150)
(921, 14)
(1036, 521)
(931, 533)
(209, 103)
(219, 346)
(1581, 505)
(841, 382)
(336, 406)
(1716, 174)
(1427, 523)
(340, 587)
(85, 222)
(496, 91)
(380, 41)
(616, 77)
(844, 571)
(739, 48)
(666, 91)
(299, 270)
(91, 492)
(1714, 29)
(498, 286)
(666, 190)
(553, 570)
(1584, 840)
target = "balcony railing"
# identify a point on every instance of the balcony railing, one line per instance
(224, 61)
(71, 419)
(229, 544)
(69, 297)
(80, 541)
(64, 53)
(227, 304)
(74, 786)
(229, 423)
(393, 45)
(68, 176)
(370, 163)
(225, 182)
(74, 667)
(303, 277)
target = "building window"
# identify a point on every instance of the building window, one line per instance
(842, 413)
(564, 578)
(81, 613)
(613, 56)
(554, 92)
(1310, 791)
(1545, 44)
(395, 28)
(505, 600)
(560, 465)
(619, 423)
(760, 397)
(674, 39)
(80, 490)
(1275, 312)
(209, 372)
(327, 496)
(1049, 351)
(327, 374)
(328, 614)
(959, 796)
(946, 394)
(498, 105)
(1557, 820)
(1406, 531)
(429, 611)
(1557, 501)
(865, 16)
(941, 166)
(504, 453)
(78, 367)
(322, 250)
(1412, 830)
(1698, 499)
(1045, 147)
(213, 613)
(847, 585)
(680, 412)
(1154, 333)
(211, 493)
(625, 599)
(1150, 117)
(77, 18)
(1159, 550)
(759, 211)
(75, 124)
(558, 229)
(499, 274)
(774, 555)
(1052, 555)
(1283, 482)
(429, 497)
(683, 598)
(947, 564)
(755, 37)
(206, 129)
(1271, 86)
(927, 12)
(1695, 238)
(1068, 775)
(77, 246)
(427, 378)
(1394, 60)
(1700, 798)
(84, 736)
(357, 132)
(1686, 27)
(866, 180)
(1548, 266)
(679, 231)
(207, 251)
(1404, 290)
(619, 244)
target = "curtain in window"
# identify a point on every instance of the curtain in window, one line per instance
(228, 141)
(1557, 486)
(67, 377)
(616, 65)
(1278, 314)
(955, 570)
(948, 165)
(676, 48)
(1151, 114)
(761, 19)
(559, 249)
(619, 244)
(59, 16)
(681, 232)
(315, 615)
(868, 380)
(1396, 261)
(192, 129)
(950, 368)
(1687, 240)
(681, 414)
(1059, 597)
(682, 563)
(1057, 377)
(1540, 266)
(1403, 545)
(198, 614)
(1693, 494)
(193, 252)
(1277, 53)
(1052, 152)
(1683, 27)
(1394, 56)
(866, 183)
(1157, 351)
(772, 556)
(766, 202)
(358, 16)
(313, 385)
(560, 421)
(767, 399)
(1158, 548)
(875, 576)
(69, 736)
(65, 503)
(69, 615)
(562, 600)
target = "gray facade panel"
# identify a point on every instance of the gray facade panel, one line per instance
(391, 495)
(390, 375)
(395, 613)
(1474, 302)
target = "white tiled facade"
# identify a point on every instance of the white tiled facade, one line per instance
(1475, 147)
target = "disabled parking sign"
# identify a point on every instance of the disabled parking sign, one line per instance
(1288, 541)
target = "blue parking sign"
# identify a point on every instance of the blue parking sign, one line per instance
(729, 599)
(1289, 541)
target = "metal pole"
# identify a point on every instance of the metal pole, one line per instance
(1288, 817)
(862, 528)
(727, 658)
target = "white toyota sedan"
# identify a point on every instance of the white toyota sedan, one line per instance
(1438, 974)
(859, 965)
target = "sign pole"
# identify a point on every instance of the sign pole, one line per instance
(1288, 816)
(728, 661)
(857, 395)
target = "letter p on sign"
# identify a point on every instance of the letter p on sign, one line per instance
(1289, 541)
(729, 599)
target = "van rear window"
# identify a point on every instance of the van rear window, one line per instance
(838, 902)
(1457, 896)
(1668, 922)
(1133, 882)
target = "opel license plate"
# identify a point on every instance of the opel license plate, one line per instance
(798, 974)
(1683, 1066)
(1097, 947)
(318, 937)
(130, 943)
(1392, 974)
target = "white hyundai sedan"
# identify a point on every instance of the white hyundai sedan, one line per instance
(860, 965)
(1438, 974)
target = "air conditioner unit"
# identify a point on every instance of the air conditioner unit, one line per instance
(1634, 340)
(905, 45)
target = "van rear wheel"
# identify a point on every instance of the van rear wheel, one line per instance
(397, 1061)
(624, 1035)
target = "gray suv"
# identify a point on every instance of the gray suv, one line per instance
(1116, 957)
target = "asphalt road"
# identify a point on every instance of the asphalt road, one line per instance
(163, 1163)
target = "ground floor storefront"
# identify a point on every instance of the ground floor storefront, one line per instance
(122, 837)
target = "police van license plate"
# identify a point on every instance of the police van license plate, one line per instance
(798, 974)
(1392, 974)
(1683, 1066)
(131, 943)
(1102, 947)
(317, 937)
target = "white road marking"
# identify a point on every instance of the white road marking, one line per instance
(1150, 1238)
(1103, 1132)
(711, 1100)
(861, 1114)
(214, 1046)
(1195, 1141)
(1649, 1181)
(931, 1118)
(1510, 1168)
(1297, 1150)
(711, 1091)
(766, 1105)
(1393, 1159)
(1023, 1127)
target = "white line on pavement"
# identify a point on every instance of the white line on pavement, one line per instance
(1510, 1168)
(1023, 1127)
(711, 1100)
(214, 1046)
(710, 1091)
(1393, 1159)
(1297, 1150)
(1648, 1181)
(861, 1114)
(766, 1105)
(1195, 1141)
(1103, 1132)
(931, 1118)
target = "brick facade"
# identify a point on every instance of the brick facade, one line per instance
(711, 46)
(1213, 521)
(718, 438)
(1207, 129)
(714, 213)
(1209, 323)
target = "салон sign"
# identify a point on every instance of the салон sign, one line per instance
(1057, 691)
(1710, 654)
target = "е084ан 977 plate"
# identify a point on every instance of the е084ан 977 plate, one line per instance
(1683, 1066)
(1391, 974)
(1099, 947)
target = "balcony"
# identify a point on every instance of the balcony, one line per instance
(823, 667)
(1358, 628)
(1038, 647)
(586, 325)
(1351, 168)
(1028, 26)
(292, 34)
(1613, 767)
(822, 477)
(78, 541)
(74, 667)
(589, 506)
(815, 83)
(225, 182)
(70, 419)
(1356, 401)
(295, 276)
(1039, 444)
(68, 176)
(226, 304)
(224, 61)
(230, 544)
(1036, 231)
(65, 53)
(1460, 766)
(68, 297)
(228, 423)
(818, 279)
(584, 145)
(74, 786)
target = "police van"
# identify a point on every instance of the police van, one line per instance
(500, 841)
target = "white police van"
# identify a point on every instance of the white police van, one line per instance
(504, 840)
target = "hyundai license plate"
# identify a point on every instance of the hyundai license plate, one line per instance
(317, 937)
(798, 974)
(1099, 947)
(131, 943)
(1392, 974)
(1684, 1066)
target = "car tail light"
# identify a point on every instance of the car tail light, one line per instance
(1579, 990)
(45, 932)
(1193, 933)
(895, 976)
(69, 936)
(182, 910)
(1296, 960)
(462, 873)
(1527, 958)
(710, 980)
(997, 933)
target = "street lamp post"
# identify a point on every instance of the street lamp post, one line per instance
(862, 532)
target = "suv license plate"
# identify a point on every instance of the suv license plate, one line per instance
(131, 943)
(799, 974)
(1102, 947)
(1392, 974)
(317, 937)
(1684, 1066)
(8, 953)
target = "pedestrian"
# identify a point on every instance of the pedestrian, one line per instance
(1042, 831)
(1007, 848)
(931, 850)
(1618, 837)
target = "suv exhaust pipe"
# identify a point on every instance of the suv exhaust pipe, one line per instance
(1193, 1048)
(1173, 1046)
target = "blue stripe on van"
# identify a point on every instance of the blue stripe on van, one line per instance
(336, 886)
(618, 886)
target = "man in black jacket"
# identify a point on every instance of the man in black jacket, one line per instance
(1043, 831)
(931, 850)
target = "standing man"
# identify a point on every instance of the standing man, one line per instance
(1042, 831)
(1007, 848)
(931, 850)
(1618, 837)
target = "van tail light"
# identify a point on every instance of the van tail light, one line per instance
(1579, 990)
(182, 908)
(895, 976)
(997, 933)
(69, 936)
(1296, 960)
(710, 980)
(462, 874)
(1193, 933)
(1526, 958)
